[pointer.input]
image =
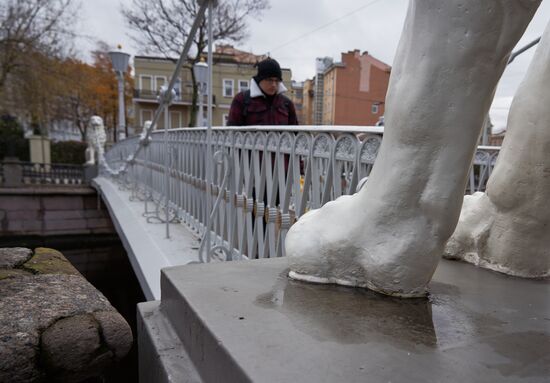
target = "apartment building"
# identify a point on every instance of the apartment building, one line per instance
(297, 97)
(349, 92)
(308, 102)
(232, 72)
(355, 90)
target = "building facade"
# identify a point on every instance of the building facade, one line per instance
(297, 97)
(354, 90)
(308, 102)
(232, 72)
(350, 92)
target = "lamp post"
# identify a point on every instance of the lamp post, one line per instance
(120, 64)
(200, 70)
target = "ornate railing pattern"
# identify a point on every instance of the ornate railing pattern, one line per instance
(64, 174)
(48, 174)
(266, 178)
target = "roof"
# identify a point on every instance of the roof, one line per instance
(224, 53)
(365, 56)
(238, 55)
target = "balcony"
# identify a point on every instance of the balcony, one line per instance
(148, 95)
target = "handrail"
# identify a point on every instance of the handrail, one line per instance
(269, 177)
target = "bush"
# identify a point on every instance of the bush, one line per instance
(68, 152)
(12, 140)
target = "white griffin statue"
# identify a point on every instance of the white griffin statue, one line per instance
(390, 236)
(96, 138)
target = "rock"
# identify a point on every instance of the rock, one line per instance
(54, 325)
(13, 257)
(13, 273)
(49, 261)
(115, 332)
(71, 348)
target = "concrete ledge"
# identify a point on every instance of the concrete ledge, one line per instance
(247, 322)
(48, 189)
(52, 212)
(162, 357)
(146, 244)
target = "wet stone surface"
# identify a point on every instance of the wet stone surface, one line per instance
(476, 325)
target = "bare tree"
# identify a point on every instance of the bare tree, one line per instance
(162, 27)
(32, 26)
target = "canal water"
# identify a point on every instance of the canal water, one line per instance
(102, 260)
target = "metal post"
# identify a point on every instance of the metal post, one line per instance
(200, 119)
(183, 58)
(209, 159)
(166, 168)
(121, 114)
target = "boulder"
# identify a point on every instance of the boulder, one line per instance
(54, 325)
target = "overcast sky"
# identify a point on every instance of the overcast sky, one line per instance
(295, 32)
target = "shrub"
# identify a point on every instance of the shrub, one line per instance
(68, 152)
(12, 140)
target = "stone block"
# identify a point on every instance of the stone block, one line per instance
(90, 172)
(94, 213)
(69, 232)
(103, 230)
(90, 202)
(63, 214)
(24, 227)
(250, 323)
(95, 223)
(54, 325)
(23, 215)
(66, 224)
(13, 172)
(62, 202)
(162, 356)
(18, 203)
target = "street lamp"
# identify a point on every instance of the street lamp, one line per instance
(120, 64)
(200, 70)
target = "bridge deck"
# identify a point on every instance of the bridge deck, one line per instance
(146, 244)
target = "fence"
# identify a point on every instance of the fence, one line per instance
(273, 175)
(28, 173)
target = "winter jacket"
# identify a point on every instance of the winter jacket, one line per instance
(260, 111)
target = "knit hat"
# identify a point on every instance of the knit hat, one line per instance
(268, 68)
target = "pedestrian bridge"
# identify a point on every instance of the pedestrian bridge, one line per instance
(162, 199)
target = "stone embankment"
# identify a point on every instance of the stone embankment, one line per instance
(54, 325)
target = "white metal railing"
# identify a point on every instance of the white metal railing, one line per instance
(264, 179)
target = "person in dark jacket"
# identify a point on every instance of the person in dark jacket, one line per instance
(264, 103)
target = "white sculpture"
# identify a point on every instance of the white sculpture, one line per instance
(507, 229)
(390, 235)
(143, 135)
(96, 138)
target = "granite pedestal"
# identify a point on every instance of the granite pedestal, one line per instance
(247, 322)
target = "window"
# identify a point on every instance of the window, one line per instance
(225, 117)
(227, 88)
(146, 115)
(145, 82)
(175, 120)
(160, 81)
(374, 109)
(243, 85)
(177, 88)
